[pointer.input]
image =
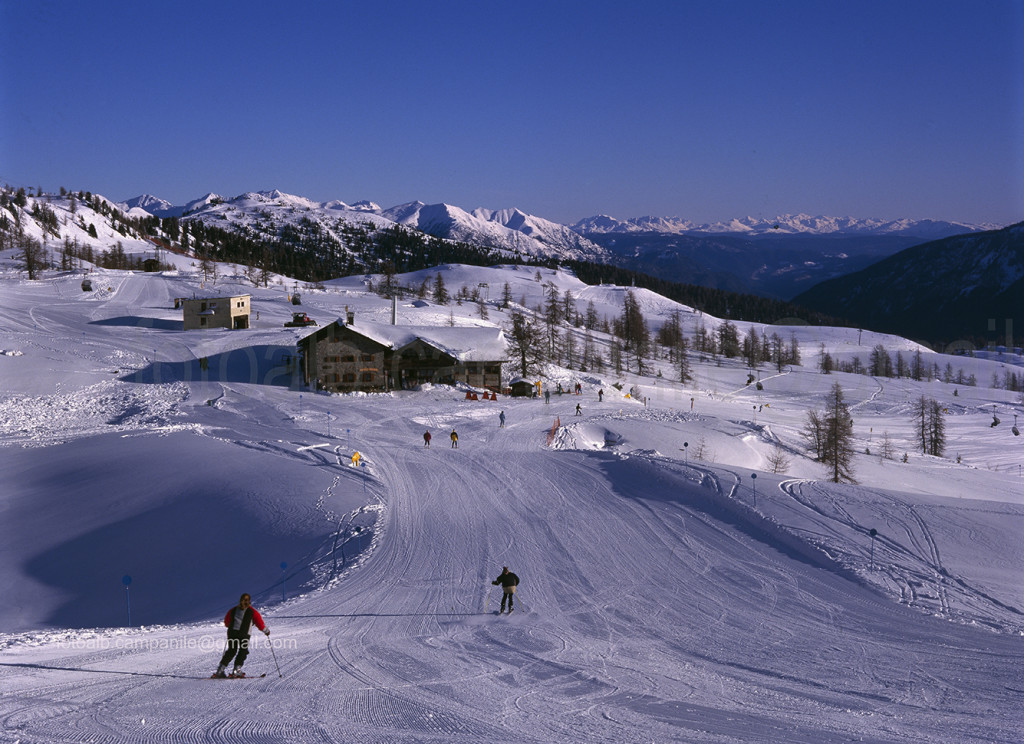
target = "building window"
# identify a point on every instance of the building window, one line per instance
(366, 358)
(349, 377)
(349, 358)
(367, 376)
(202, 321)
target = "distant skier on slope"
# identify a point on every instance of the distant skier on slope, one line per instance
(426, 439)
(455, 439)
(238, 621)
(508, 581)
(501, 419)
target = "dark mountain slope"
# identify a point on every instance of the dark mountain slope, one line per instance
(967, 287)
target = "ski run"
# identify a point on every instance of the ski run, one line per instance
(666, 595)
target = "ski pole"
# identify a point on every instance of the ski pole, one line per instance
(274, 654)
(488, 602)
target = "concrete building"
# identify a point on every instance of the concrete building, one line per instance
(216, 312)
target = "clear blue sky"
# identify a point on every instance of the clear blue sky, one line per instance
(702, 110)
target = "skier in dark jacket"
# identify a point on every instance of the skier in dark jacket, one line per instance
(238, 621)
(508, 581)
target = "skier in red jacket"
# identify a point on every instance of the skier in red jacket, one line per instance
(238, 621)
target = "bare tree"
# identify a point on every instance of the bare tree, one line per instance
(814, 433)
(778, 460)
(888, 450)
(526, 343)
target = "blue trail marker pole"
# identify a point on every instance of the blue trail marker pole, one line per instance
(283, 567)
(126, 580)
(686, 458)
(753, 487)
(873, 533)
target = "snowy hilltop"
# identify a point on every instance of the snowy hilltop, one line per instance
(689, 572)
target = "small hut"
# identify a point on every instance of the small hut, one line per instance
(522, 388)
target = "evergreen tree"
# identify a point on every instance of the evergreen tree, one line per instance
(930, 425)
(552, 312)
(728, 340)
(794, 351)
(880, 363)
(631, 327)
(441, 296)
(32, 254)
(838, 441)
(826, 364)
(936, 429)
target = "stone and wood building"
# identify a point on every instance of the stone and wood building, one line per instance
(346, 356)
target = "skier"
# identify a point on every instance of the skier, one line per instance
(455, 439)
(501, 418)
(579, 411)
(600, 395)
(426, 439)
(238, 621)
(509, 581)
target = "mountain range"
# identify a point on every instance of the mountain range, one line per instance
(776, 258)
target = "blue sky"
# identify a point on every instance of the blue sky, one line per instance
(702, 110)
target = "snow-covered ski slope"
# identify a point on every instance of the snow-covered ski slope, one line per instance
(666, 595)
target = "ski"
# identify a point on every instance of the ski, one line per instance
(237, 676)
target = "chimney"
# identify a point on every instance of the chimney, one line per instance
(394, 310)
(350, 316)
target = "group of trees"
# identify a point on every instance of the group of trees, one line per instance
(882, 363)
(72, 253)
(829, 433)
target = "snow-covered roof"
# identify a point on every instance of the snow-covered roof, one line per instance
(465, 343)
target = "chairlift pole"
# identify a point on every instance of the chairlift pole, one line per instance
(126, 580)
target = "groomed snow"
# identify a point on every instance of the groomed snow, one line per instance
(666, 594)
